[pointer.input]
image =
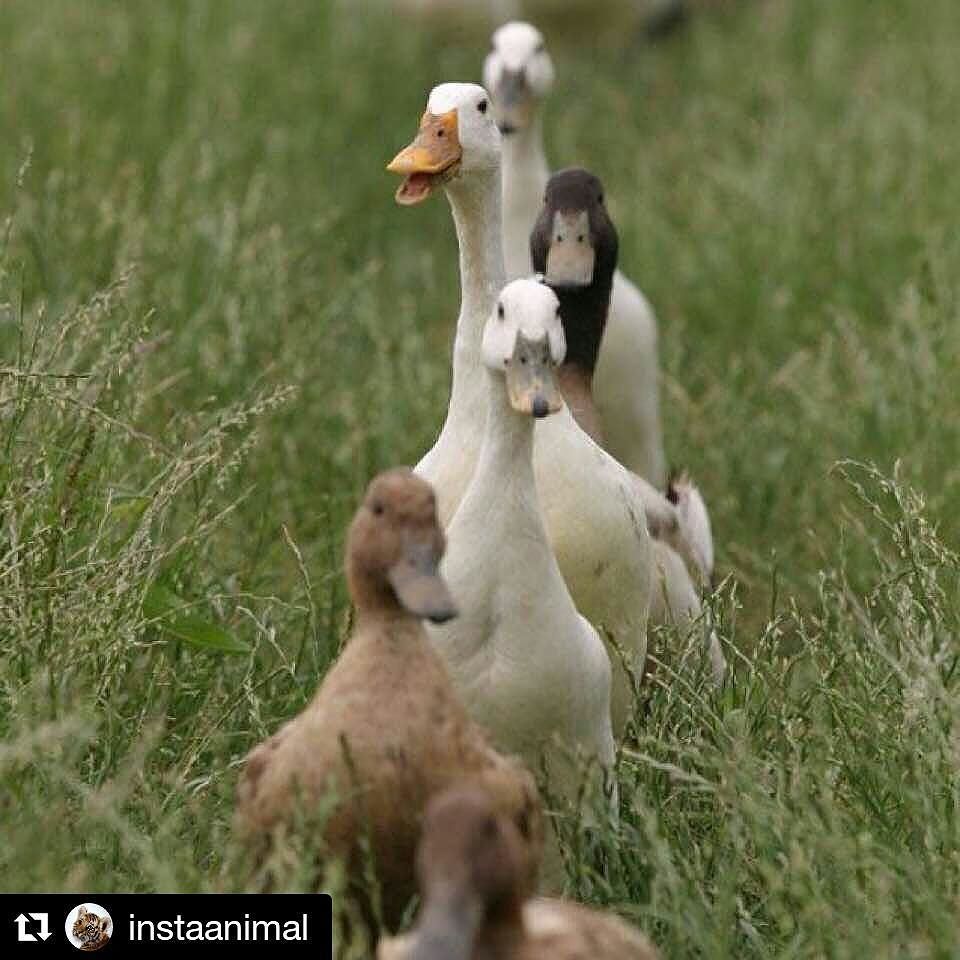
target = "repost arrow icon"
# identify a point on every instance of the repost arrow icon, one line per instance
(22, 934)
(44, 920)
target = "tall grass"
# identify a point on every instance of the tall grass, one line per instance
(215, 326)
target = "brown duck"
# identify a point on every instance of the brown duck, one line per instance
(472, 867)
(385, 731)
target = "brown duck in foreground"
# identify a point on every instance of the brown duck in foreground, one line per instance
(472, 866)
(385, 731)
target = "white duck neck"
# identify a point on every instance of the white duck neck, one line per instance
(505, 465)
(525, 176)
(524, 158)
(476, 207)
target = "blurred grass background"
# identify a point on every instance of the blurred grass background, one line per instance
(200, 226)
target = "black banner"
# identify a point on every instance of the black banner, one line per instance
(36, 926)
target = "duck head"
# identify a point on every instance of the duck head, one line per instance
(523, 342)
(471, 866)
(394, 549)
(518, 72)
(457, 136)
(574, 245)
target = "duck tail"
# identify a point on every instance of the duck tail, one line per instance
(694, 518)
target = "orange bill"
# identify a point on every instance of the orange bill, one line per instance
(433, 155)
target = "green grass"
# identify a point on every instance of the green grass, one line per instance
(202, 230)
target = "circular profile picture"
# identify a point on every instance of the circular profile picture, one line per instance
(88, 927)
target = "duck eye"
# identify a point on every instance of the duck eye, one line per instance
(376, 508)
(541, 46)
(600, 198)
(500, 310)
(558, 313)
(482, 106)
(440, 132)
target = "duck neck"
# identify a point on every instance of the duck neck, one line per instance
(506, 455)
(525, 175)
(503, 928)
(476, 214)
(374, 600)
(524, 160)
(583, 312)
(576, 385)
(385, 620)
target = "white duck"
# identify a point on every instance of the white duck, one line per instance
(518, 72)
(528, 667)
(594, 515)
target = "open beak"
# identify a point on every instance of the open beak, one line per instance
(446, 929)
(513, 102)
(531, 384)
(571, 255)
(416, 580)
(432, 158)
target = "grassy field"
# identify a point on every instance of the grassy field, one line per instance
(215, 326)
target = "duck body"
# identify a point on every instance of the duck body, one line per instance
(377, 776)
(548, 929)
(565, 930)
(627, 392)
(593, 516)
(524, 661)
(383, 734)
(594, 520)
(598, 532)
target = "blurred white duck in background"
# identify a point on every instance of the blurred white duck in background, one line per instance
(519, 74)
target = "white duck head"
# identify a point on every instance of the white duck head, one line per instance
(518, 72)
(523, 342)
(457, 136)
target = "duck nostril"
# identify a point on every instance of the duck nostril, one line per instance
(580, 238)
(559, 238)
(440, 133)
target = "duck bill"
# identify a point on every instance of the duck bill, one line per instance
(447, 929)
(431, 159)
(571, 255)
(416, 581)
(513, 102)
(532, 386)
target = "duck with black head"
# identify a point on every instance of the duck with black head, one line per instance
(574, 245)
(385, 731)
(476, 904)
